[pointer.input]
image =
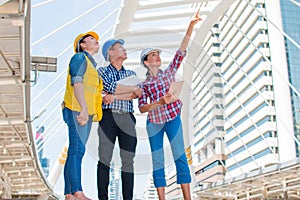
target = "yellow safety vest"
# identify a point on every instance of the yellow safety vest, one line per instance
(92, 92)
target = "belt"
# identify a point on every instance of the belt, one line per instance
(115, 111)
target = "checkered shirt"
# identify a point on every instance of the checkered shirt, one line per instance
(110, 75)
(156, 87)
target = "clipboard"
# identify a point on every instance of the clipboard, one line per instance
(131, 80)
(176, 87)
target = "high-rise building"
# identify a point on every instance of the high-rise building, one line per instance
(150, 191)
(39, 139)
(45, 162)
(245, 113)
(115, 187)
(290, 11)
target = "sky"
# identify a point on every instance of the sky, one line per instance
(54, 26)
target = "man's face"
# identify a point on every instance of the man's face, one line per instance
(117, 51)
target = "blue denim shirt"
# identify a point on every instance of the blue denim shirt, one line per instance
(78, 65)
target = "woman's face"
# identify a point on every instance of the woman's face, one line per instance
(90, 44)
(153, 59)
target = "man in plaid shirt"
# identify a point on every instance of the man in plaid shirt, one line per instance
(118, 119)
(164, 114)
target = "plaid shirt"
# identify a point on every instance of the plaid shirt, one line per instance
(110, 75)
(156, 87)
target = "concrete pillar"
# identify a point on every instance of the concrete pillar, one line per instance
(283, 107)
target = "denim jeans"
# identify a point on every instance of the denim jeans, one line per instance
(78, 136)
(111, 126)
(174, 133)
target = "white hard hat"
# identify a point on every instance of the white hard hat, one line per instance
(146, 51)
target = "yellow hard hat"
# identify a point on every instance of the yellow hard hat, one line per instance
(80, 36)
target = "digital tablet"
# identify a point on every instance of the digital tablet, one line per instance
(176, 87)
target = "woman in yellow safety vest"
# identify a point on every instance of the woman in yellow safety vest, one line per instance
(82, 105)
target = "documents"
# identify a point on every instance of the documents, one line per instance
(132, 80)
(122, 91)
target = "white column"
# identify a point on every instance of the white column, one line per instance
(219, 146)
(284, 118)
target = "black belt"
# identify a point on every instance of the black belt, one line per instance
(115, 111)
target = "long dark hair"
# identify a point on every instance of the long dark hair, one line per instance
(146, 58)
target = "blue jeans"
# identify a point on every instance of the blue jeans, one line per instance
(78, 136)
(174, 133)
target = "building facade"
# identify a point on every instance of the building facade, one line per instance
(150, 191)
(291, 25)
(240, 85)
(39, 139)
(115, 185)
(245, 109)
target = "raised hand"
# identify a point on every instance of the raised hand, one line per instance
(196, 18)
